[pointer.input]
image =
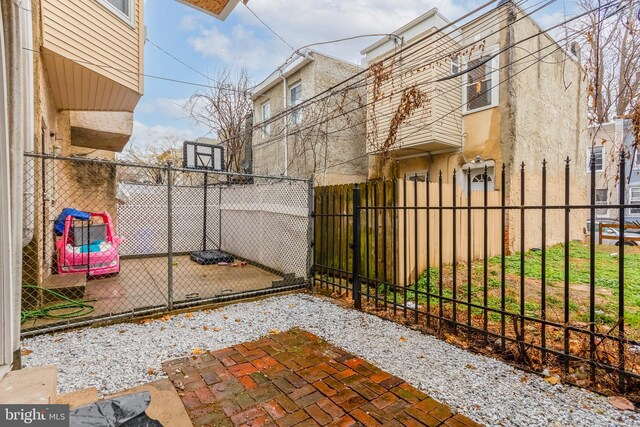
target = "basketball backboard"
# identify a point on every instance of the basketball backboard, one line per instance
(200, 156)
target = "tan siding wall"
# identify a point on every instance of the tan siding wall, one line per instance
(434, 121)
(88, 32)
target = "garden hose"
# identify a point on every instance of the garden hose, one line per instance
(82, 308)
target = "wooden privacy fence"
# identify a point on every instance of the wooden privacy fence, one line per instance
(393, 222)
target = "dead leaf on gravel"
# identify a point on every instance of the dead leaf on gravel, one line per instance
(274, 331)
(152, 371)
(226, 317)
(552, 380)
(217, 329)
(188, 315)
(621, 403)
(122, 331)
(403, 339)
(205, 328)
(472, 367)
(197, 351)
(25, 352)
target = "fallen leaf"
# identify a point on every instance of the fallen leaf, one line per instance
(217, 329)
(274, 331)
(403, 339)
(226, 317)
(152, 371)
(238, 320)
(188, 315)
(122, 331)
(25, 352)
(197, 351)
(621, 403)
(552, 380)
(205, 328)
(472, 367)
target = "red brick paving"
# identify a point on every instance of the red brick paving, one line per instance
(297, 379)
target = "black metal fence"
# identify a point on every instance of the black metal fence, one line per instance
(517, 269)
(144, 238)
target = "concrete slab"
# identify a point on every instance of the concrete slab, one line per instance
(32, 385)
(142, 283)
(78, 398)
(166, 405)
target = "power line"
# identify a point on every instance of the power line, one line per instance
(268, 27)
(176, 58)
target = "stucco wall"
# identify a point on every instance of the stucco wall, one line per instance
(547, 97)
(319, 150)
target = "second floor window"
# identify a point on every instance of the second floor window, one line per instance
(266, 116)
(296, 98)
(598, 152)
(480, 88)
(122, 8)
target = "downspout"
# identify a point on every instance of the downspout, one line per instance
(286, 123)
(27, 112)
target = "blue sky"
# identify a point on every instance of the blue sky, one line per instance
(208, 45)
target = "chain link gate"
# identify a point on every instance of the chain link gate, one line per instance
(105, 240)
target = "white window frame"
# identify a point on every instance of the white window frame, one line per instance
(296, 115)
(604, 214)
(494, 64)
(128, 19)
(589, 158)
(455, 65)
(266, 126)
(634, 211)
(636, 164)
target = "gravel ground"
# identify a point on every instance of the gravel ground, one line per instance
(121, 356)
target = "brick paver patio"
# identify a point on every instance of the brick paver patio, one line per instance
(296, 378)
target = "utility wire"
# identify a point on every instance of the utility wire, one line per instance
(268, 27)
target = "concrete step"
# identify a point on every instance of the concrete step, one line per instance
(78, 398)
(31, 385)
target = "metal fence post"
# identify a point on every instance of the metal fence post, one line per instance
(356, 248)
(170, 235)
(311, 233)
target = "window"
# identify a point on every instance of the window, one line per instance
(636, 163)
(478, 178)
(634, 199)
(480, 88)
(296, 98)
(602, 198)
(455, 65)
(122, 8)
(266, 116)
(599, 158)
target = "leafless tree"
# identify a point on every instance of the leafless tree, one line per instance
(612, 36)
(223, 108)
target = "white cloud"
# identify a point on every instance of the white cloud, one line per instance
(173, 108)
(302, 22)
(145, 135)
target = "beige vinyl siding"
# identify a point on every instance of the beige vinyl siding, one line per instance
(89, 33)
(439, 119)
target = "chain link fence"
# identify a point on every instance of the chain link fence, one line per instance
(107, 239)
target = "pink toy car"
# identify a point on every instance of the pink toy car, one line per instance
(89, 246)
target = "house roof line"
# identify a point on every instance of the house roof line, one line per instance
(404, 29)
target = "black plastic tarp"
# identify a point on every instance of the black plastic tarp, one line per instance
(125, 411)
